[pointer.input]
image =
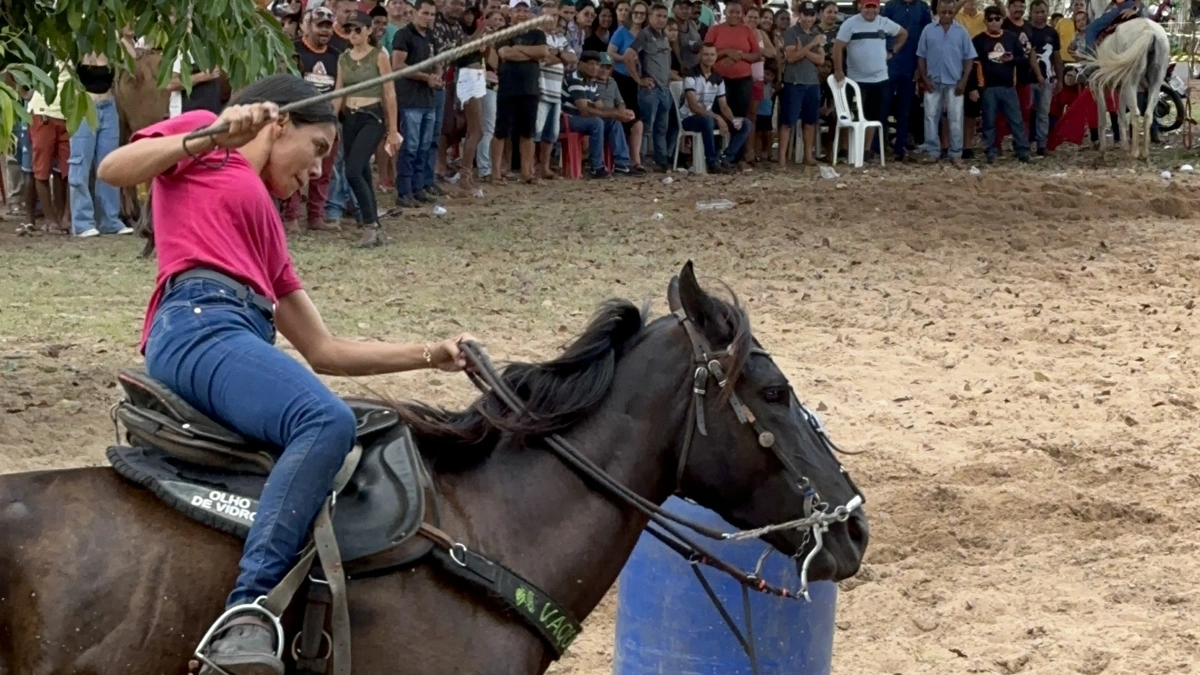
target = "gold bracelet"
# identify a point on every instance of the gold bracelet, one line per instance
(427, 355)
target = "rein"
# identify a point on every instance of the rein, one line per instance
(664, 524)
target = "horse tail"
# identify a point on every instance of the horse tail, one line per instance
(1111, 68)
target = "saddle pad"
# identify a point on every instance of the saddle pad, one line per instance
(381, 506)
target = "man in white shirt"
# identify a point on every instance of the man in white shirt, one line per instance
(861, 52)
(703, 96)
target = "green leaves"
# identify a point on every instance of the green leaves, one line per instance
(245, 42)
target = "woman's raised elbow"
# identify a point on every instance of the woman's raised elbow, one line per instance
(112, 172)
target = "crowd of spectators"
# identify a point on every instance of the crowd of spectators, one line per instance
(627, 75)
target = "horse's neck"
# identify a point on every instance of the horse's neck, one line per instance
(532, 512)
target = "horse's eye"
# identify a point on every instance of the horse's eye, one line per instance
(775, 395)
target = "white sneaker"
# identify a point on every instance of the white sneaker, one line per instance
(124, 230)
(93, 232)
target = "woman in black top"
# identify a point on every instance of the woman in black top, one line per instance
(601, 30)
(470, 85)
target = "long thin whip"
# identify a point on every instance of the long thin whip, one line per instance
(450, 55)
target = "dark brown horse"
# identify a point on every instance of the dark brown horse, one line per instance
(98, 577)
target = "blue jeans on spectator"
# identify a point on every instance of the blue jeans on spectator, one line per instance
(943, 97)
(483, 154)
(1042, 94)
(216, 352)
(341, 198)
(88, 148)
(598, 131)
(1097, 26)
(1003, 100)
(655, 106)
(704, 126)
(439, 115)
(414, 166)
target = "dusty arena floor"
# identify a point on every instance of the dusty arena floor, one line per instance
(1013, 351)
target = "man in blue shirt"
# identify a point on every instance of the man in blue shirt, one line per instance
(913, 16)
(944, 59)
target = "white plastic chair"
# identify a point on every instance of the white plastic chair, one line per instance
(855, 125)
(699, 162)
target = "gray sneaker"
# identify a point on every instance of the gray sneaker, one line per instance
(245, 647)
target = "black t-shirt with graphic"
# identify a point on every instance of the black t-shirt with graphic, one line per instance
(318, 68)
(1046, 44)
(995, 68)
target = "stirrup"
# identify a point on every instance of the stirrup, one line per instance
(255, 607)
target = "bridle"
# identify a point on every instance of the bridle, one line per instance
(663, 524)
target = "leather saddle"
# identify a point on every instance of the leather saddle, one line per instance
(215, 475)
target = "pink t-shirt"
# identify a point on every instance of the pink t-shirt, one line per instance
(223, 219)
(740, 37)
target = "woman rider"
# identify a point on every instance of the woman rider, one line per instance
(1127, 8)
(225, 284)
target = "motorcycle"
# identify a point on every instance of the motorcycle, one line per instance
(1169, 109)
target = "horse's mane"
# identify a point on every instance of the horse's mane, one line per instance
(558, 393)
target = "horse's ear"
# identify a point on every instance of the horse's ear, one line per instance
(673, 294)
(694, 301)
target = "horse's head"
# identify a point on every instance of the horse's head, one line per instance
(753, 453)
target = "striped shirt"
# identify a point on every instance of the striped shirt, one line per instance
(575, 88)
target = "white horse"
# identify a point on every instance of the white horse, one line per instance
(1136, 54)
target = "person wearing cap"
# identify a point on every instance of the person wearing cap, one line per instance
(519, 92)
(705, 110)
(803, 51)
(364, 116)
(608, 95)
(999, 53)
(414, 96)
(913, 16)
(318, 64)
(690, 40)
(944, 59)
(861, 53)
(584, 116)
(446, 33)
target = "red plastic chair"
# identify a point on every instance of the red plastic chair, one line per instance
(572, 149)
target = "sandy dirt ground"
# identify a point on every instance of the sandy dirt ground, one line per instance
(1013, 352)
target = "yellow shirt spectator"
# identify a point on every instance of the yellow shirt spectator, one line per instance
(38, 104)
(1066, 33)
(975, 24)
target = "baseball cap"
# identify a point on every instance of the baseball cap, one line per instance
(605, 59)
(515, 3)
(322, 15)
(589, 55)
(359, 18)
(868, 3)
(808, 7)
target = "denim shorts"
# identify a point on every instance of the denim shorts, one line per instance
(799, 102)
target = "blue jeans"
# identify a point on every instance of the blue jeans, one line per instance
(943, 96)
(1042, 94)
(216, 352)
(340, 197)
(414, 166)
(655, 106)
(704, 126)
(88, 148)
(1097, 26)
(439, 114)
(1003, 100)
(598, 131)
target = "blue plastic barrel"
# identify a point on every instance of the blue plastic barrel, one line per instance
(666, 624)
